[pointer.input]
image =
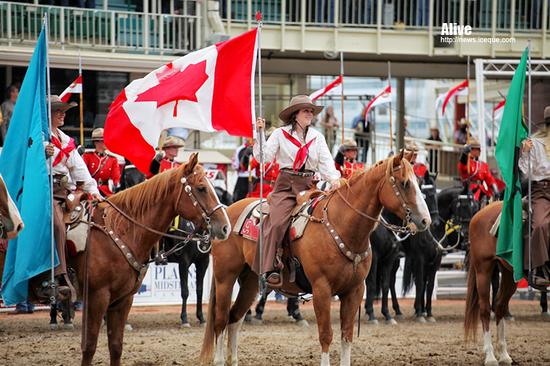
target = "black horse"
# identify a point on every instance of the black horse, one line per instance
(292, 308)
(195, 252)
(423, 256)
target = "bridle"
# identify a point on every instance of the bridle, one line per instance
(399, 194)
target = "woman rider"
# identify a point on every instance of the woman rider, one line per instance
(301, 152)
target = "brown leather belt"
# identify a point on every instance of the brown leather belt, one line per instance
(544, 183)
(307, 173)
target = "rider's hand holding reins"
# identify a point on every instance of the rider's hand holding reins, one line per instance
(97, 197)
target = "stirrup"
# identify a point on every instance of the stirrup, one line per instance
(274, 279)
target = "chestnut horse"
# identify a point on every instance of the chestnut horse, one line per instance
(483, 260)
(131, 222)
(10, 220)
(350, 213)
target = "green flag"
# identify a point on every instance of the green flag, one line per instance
(512, 133)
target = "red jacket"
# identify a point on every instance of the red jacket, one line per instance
(103, 168)
(271, 172)
(481, 179)
(349, 168)
(166, 164)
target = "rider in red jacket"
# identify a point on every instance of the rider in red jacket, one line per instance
(476, 173)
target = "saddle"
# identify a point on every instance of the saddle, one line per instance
(247, 224)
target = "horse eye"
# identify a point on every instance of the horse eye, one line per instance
(201, 189)
(406, 184)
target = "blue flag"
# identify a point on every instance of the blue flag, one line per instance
(23, 166)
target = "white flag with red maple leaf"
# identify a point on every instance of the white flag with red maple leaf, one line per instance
(210, 90)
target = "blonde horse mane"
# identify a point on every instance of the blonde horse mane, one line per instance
(357, 175)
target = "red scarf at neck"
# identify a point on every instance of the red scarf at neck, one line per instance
(303, 150)
(62, 151)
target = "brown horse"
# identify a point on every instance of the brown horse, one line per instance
(483, 260)
(131, 222)
(351, 214)
(10, 220)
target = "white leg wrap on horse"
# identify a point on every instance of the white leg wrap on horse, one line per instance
(325, 360)
(490, 359)
(233, 334)
(345, 355)
(219, 359)
(503, 357)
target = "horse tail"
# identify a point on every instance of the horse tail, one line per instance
(208, 341)
(407, 274)
(471, 315)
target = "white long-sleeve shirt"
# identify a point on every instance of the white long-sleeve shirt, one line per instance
(73, 167)
(540, 162)
(278, 147)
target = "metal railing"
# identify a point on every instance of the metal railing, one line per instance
(502, 16)
(104, 30)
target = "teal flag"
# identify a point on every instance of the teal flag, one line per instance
(23, 166)
(512, 133)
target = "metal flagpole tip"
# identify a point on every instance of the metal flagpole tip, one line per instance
(259, 16)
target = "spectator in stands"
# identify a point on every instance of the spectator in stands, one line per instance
(330, 124)
(361, 125)
(433, 150)
(7, 110)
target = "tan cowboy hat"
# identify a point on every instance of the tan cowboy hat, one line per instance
(97, 134)
(59, 105)
(349, 144)
(547, 112)
(173, 141)
(411, 146)
(296, 103)
(474, 144)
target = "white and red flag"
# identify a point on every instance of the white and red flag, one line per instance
(383, 97)
(332, 88)
(74, 88)
(211, 89)
(499, 106)
(460, 89)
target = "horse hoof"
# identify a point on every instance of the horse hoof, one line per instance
(420, 319)
(491, 362)
(399, 316)
(128, 327)
(302, 323)
(68, 326)
(54, 326)
(509, 318)
(185, 325)
(546, 316)
(430, 319)
(424, 314)
(373, 321)
(248, 318)
(391, 322)
(506, 360)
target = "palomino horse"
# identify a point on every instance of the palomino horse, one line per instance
(483, 260)
(349, 215)
(124, 230)
(10, 220)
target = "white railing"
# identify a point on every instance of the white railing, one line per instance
(502, 16)
(102, 30)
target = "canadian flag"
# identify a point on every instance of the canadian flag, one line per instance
(333, 86)
(211, 89)
(383, 97)
(460, 89)
(74, 88)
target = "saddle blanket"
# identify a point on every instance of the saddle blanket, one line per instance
(247, 224)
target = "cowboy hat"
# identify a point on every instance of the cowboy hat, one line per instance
(296, 103)
(411, 146)
(59, 105)
(474, 144)
(97, 134)
(173, 141)
(349, 144)
(547, 112)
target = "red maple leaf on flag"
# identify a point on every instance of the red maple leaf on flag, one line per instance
(176, 85)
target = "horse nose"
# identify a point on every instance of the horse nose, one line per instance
(425, 222)
(225, 230)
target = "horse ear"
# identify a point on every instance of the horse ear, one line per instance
(409, 155)
(191, 164)
(397, 158)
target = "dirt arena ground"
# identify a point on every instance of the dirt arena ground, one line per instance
(158, 340)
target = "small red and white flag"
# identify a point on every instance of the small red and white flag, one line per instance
(332, 88)
(383, 97)
(210, 90)
(499, 105)
(460, 89)
(74, 88)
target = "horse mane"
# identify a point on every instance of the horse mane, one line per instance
(357, 175)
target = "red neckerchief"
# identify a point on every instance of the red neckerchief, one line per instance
(303, 150)
(62, 151)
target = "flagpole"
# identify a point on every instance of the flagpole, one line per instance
(81, 101)
(261, 141)
(529, 162)
(468, 112)
(391, 127)
(52, 241)
(342, 92)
